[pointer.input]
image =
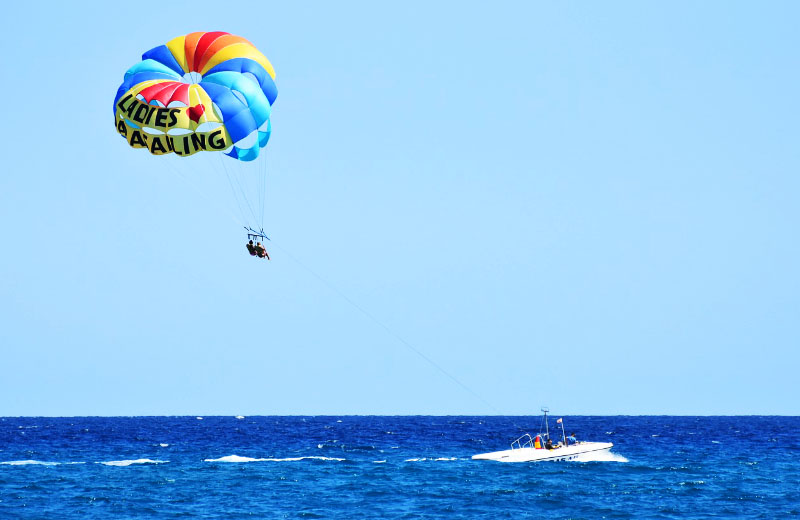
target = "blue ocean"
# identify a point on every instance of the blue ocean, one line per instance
(393, 467)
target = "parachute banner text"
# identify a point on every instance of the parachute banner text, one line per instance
(133, 115)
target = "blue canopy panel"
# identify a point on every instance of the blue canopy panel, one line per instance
(162, 55)
(244, 107)
(243, 65)
(236, 114)
(263, 136)
(244, 155)
(245, 90)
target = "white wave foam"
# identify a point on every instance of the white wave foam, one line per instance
(233, 458)
(601, 456)
(130, 462)
(237, 458)
(378, 461)
(29, 462)
(163, 444)
(440, 459)
(292, 459)
(416, 460)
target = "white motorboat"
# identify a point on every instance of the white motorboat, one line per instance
(533, 449)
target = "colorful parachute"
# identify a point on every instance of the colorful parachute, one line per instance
(206, 91)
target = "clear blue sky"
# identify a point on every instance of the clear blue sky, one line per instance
(590, 205)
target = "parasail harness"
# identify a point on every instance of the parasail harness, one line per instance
(252, 234)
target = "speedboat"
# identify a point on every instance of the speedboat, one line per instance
(541, 447)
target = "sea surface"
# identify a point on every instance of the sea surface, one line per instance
(393, 467)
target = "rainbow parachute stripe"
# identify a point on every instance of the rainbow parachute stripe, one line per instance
(224, 73)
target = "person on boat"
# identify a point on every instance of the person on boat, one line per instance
(261, 251)
(549, 444)
(571, 439)
(251, 248)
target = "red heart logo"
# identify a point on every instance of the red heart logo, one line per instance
(196, 112)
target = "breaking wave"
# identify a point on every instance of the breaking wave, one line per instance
(440, 459)
(29, 462)
(237, 458)
(123, 463)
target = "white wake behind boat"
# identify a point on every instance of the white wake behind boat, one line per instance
(530, 449)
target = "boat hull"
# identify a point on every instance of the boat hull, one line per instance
(527, 454)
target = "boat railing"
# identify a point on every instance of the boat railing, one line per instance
(522, 442)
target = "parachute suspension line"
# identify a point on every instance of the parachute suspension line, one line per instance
(263, 190)
(255, 180)
(200, 192)
(396, 336)
(242, 192)
(238, 182)
(239, 205)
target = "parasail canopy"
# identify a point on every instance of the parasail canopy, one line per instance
(202, 92)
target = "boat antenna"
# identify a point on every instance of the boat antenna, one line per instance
(546, 424)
